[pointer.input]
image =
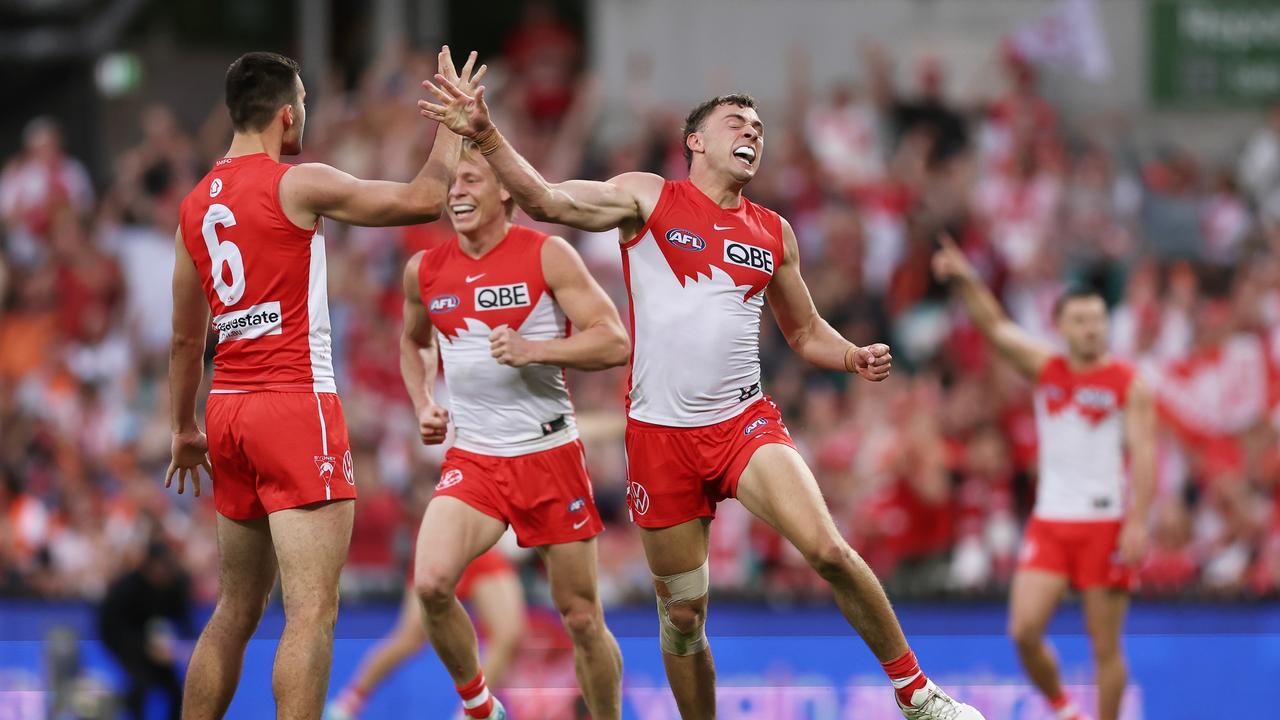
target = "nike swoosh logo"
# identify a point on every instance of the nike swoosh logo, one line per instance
(473, 278)
(580, 524)
(726, 227)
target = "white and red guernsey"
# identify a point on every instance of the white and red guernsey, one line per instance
(696, 274)
(265, 278)
(497, 409)
(1080, 425)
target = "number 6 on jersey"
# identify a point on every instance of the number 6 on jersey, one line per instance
(223, 253)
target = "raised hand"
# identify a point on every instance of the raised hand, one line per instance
(464, 114)
(872, 362)
(949, 262)
(464, 81)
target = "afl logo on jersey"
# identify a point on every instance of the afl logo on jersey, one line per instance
(755, 425)
(442, 303)
(501, 297)
(215, 187)
(685, 240)
(748, 256)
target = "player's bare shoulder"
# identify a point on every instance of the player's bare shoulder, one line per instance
(646, 189)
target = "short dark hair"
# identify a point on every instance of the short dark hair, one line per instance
(1076, 292)
(698, 115)
(258, 84)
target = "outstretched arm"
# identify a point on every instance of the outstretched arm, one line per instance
(189, 446)
(624, 201)
(314, 190)
(419, 355)
(1027, 354)
(1140, 435)
(807, 333)
(598, 340)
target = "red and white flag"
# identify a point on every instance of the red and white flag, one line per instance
(1068, 35)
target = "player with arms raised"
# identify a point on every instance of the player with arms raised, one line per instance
(1088, 408)
(250, 247)
(698, 258)
(496, 303)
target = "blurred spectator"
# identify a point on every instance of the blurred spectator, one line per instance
(34, 184)
(543, 52)
(139, 619)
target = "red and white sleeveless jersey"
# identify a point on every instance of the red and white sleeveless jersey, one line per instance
(265, 278)
(696, 274)
(1080, 424)
(497, 409)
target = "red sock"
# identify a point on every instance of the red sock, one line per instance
(906, 676)
(1063, 707)
(476, 700)
(352, 700)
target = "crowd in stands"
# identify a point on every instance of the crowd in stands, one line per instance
(931, 474)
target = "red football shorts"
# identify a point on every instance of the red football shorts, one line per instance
(544, 496)
(277, 450)
(1086, 552)
(676, 474)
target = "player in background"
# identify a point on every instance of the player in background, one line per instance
(1089, 409)
(496, 303)
(250, 247)
(698, 257)
(491, 587)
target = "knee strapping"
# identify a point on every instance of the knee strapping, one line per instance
(682, 587)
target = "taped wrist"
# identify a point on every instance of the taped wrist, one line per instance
(488, 141)
(682, 587)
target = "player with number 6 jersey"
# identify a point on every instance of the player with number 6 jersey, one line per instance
(250, 264)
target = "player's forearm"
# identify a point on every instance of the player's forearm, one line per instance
(1142, 479)
(981, 305)
(598, 347)
(530, 190)
(418, 370)
(427, 192)
(186, 369)
(819, 344)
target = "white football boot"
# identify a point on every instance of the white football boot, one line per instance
(930, 703)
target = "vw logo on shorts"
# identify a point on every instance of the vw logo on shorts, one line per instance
(638, 498)
(452, 477)
(348, 468)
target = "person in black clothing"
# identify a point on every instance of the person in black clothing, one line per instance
(136, 621)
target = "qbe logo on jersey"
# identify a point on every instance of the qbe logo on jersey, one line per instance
(252, 322)
(501, 297)
(748, 256)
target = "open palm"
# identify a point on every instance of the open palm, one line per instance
(463, 114)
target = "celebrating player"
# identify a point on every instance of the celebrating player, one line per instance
(698, 258)
(1088, 407)
(493, 589)
(251, 247)
(498, 297)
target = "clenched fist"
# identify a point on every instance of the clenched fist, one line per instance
(872, 362)
(433, 424)
(509, 348)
